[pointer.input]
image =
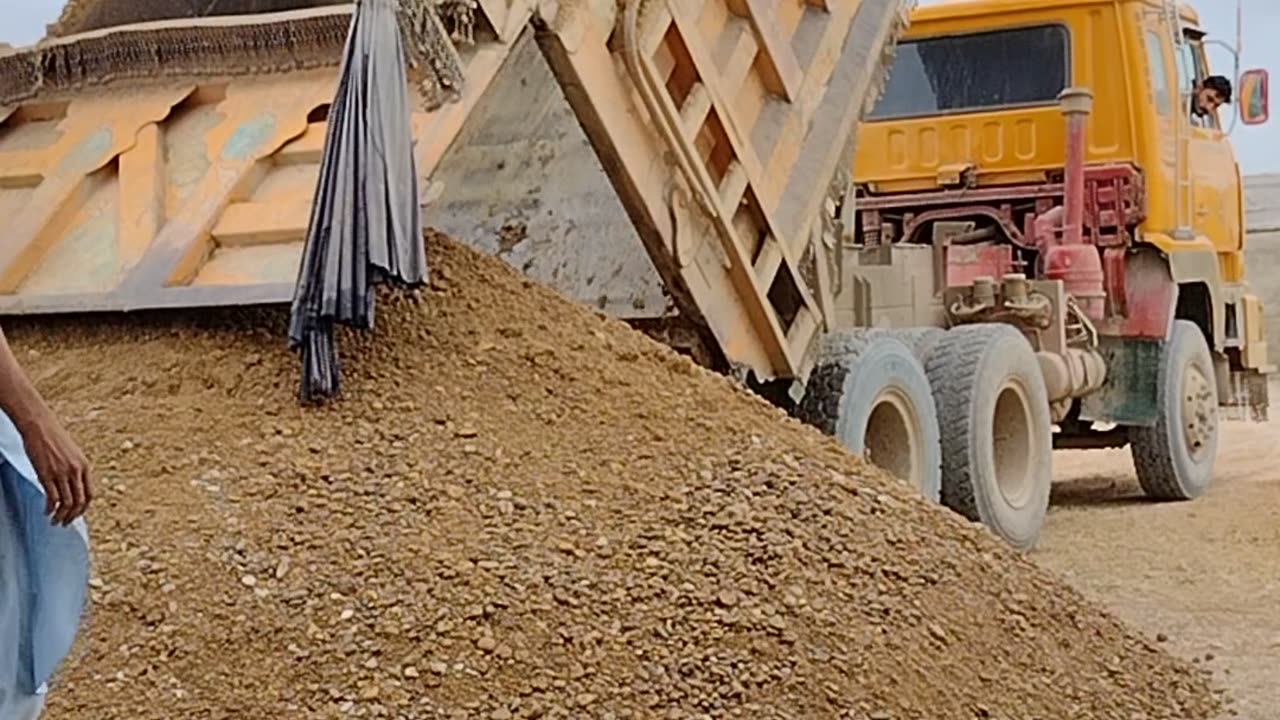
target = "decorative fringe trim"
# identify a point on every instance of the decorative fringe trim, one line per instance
(235, 46)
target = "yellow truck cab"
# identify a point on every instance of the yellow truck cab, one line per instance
(1052, 144)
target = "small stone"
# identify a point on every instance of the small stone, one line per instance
(410, 672)
(500, 714)
(347, 614)
(371, 664)
(249, 581)
(439, 668)
(282, 568)
(487, 643)
(96, 583)
(1161, 637)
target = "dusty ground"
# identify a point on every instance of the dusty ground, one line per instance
(1205, 575)
(523, 510)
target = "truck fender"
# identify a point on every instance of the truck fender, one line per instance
(1195, 263)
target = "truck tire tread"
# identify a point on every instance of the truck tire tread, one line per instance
(1160, 458)
(961, 367)
(853, 368)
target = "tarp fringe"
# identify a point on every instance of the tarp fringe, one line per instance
(227, 47)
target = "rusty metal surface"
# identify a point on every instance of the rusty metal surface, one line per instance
(523, 183)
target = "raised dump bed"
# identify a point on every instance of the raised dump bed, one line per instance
(171, 163)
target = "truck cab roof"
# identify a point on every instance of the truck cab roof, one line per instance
(957, 9)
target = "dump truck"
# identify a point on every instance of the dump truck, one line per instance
(687, 166)
(1044, 163)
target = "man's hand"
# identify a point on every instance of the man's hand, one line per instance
(61, 467)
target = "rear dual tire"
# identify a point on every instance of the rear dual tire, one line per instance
(997, 441)
(870, 392)
(963, 415)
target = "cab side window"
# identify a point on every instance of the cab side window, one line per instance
(1187, 82)
(1159, 72)
(1202, 71)
(1192, 70)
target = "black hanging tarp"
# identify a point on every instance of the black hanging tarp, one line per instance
(365, 227)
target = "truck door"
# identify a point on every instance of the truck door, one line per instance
(1214, 173)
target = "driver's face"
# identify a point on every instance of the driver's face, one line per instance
(1208, 99)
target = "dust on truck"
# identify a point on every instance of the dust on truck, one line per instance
(1039, 161)
(676, 163)
(683, 165)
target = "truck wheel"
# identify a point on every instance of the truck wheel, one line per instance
(921, 340)
(997, 442)
(1174, 459)
(872, 395)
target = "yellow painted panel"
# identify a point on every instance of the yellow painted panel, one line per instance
(1013, 146)
(1006, 145)
(179, 194)
(1254, 335)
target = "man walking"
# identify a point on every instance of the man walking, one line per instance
(44, 546)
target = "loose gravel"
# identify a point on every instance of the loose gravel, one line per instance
(522, 509)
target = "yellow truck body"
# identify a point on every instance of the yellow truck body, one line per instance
(1119, 51)
(1127, 54)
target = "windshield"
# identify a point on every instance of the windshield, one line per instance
(1001, 68)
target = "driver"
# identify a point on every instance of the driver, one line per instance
(1210, 94)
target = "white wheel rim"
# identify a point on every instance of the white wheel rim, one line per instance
(1012, 444)
(892, 439)
(1199, 416)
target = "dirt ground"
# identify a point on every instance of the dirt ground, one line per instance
(523, 510)
(1202, 577)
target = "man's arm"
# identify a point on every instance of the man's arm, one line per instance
(58, 461)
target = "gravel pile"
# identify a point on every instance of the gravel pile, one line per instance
(521, 510)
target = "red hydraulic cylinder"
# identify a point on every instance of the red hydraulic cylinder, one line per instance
(1076, 264)
(1076, 104)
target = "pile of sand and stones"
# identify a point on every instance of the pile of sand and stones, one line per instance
(524, 509)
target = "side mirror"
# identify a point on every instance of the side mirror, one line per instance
(1253, 98)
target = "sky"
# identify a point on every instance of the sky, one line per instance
(22, 22)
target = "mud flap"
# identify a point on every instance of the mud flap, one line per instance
(1131, 392)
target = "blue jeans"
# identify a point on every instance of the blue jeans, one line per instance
(15, 609)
